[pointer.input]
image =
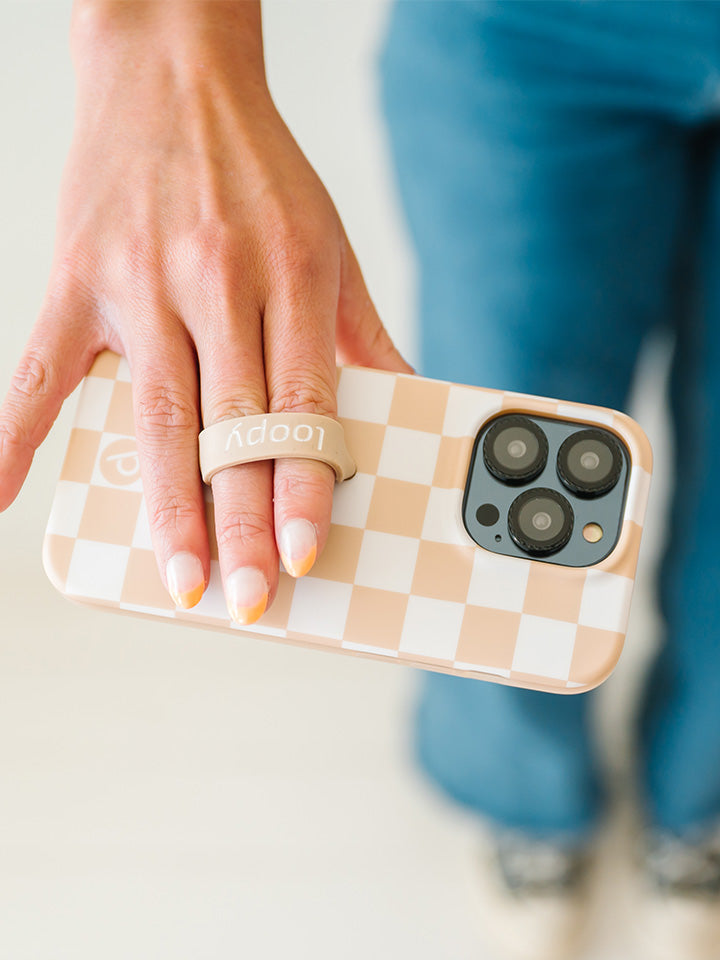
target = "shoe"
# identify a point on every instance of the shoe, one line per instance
(679, 903)
(534, 895)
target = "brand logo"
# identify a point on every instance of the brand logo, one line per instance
(240, 436)
(119, 463)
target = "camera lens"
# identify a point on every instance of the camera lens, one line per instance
(540, 521)
(589, 462)
(515, 449)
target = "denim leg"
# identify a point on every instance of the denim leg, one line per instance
(545, 202)
(681, 723)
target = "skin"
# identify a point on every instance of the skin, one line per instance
(195, 239)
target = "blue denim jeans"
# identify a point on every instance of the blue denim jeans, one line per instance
(559, 165)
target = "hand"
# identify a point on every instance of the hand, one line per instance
(195, 239)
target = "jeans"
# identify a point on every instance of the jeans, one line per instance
(559, 166)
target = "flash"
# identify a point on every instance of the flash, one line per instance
(592, 532)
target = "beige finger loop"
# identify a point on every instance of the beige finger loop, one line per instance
(268, 436)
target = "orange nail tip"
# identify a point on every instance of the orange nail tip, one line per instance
(298, 568)
(190, 598)
(246, 615)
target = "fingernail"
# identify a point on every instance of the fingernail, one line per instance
(298, 546)
(247, 594)
(185, 579)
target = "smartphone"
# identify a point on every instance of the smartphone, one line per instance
(485, 534)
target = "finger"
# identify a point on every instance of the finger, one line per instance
(361, 337)
(299, 332)
(167, 423)
(233, 385)
(57, 356)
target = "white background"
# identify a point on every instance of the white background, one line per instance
(167, 793)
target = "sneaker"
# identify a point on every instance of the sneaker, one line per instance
(679, 916)
(534, 896)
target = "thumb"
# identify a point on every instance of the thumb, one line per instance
(360, 337)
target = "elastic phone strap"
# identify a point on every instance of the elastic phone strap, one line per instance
(268, 436)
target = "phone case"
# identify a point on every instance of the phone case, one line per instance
(399, 579)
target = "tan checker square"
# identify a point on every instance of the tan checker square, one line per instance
(443, 571)
(364, 441)
(58, 554)
(487, 637)
(419, 404)
(105, 365)
(552, 593)
(398, 507)
(120, 414)
(596, 652)
(110, 516)
(375, 617)
(143, 586)
(81, 455)
(339, 559)
(277, 615)
(453, 462)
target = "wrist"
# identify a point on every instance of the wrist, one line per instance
(194, 35)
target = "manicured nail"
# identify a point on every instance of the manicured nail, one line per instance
(298, 546)
(185, 579)
(247, 594)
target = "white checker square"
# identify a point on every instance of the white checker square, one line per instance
(67, 508)
(212, 603)
(544, 647)
(409, 455)
(141, 536)
(351, 500)
(320, 607)
(443, 517)
(498, 581)
(97, 570)
(432, 628)
(573, 412)
(605, 601)
(94, 403)
(123, 371)
(467, 409)
(365, 394)
(637, 494)
(386, 561)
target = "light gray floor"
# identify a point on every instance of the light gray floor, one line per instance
(175, 794)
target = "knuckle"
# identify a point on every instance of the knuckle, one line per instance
(309, 395)
(234, 407)
(170, 511)
(161, 410)
(12, 436)
(33, 378)
(246, 528)
(313, 482)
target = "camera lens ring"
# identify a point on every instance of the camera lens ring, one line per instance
(598, 443)
(524, 431)
(562, 520)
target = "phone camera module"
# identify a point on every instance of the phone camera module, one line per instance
(515, 449)
(589, 463)
(540, 521)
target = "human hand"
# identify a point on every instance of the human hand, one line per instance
(195, 239)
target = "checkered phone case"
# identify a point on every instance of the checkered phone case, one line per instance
(399, 579)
